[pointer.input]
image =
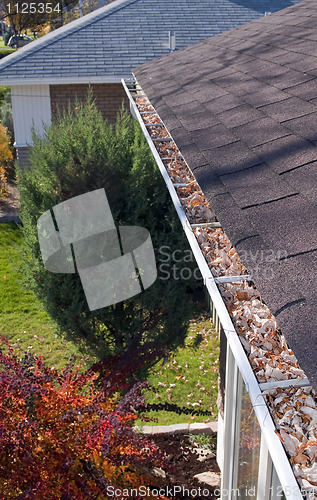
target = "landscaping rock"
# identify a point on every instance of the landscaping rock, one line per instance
(158, 472)
(204, 454)
(210, 428)
(212, 479)
(197, 428)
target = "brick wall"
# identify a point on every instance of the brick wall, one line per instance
(23, 156)
(109, 97)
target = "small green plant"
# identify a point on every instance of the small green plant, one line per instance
(206, 441)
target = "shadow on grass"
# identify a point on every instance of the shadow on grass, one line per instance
(174, 408)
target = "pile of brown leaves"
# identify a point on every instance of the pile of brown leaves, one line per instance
(293, 410)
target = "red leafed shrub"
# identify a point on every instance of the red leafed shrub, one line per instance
(68, 435)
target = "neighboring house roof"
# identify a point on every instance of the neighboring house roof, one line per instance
(106, 44)
(242, 108)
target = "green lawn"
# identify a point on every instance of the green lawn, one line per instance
(184, 387)
(22, 318)
(187, 383)
(5, 51)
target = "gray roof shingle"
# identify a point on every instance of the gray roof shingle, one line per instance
(254, 152)
(110, 41)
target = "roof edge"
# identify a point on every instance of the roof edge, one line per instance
(64, 81)
(64, 31)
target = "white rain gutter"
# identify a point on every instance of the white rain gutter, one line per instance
(278, 455)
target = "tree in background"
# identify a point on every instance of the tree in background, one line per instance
(81, 153)
(83, 8)
(69, 434)
(33, 15)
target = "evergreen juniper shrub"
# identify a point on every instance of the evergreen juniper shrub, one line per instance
(80, 152)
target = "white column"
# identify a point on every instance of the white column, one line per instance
(31, 107)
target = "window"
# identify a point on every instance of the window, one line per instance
(249, 440)
(248, 472)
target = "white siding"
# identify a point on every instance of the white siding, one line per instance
(31, 106)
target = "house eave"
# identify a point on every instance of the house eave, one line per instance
(70, 80)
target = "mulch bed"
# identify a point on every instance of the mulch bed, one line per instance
(9, 205)
(183, 459)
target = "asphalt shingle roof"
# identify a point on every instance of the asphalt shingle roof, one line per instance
(242, 107)
(110, 41)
